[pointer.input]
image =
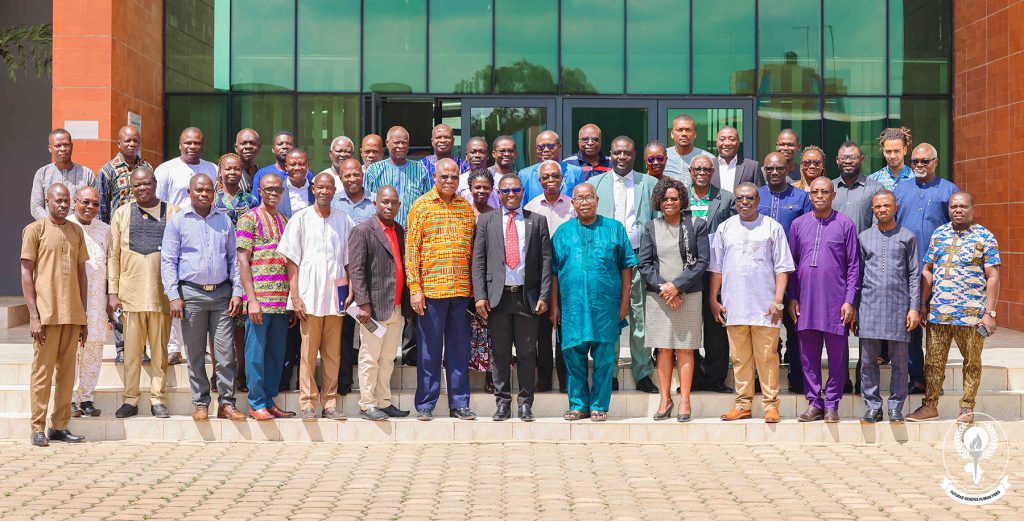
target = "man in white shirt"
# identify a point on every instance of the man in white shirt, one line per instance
(172, 177)
(732, 169)
(684, 133)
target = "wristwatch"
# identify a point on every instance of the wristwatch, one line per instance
(991, 313)
(778, 306)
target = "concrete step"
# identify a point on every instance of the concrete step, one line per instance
(13, 312)
(181, 428)
(1003, 405)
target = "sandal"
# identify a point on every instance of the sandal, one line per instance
(598, 416)
(573, 415)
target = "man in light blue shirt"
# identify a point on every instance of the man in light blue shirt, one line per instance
(549, 147)
(353, 200)
(200, 277)
(684, 133)
(895, 143)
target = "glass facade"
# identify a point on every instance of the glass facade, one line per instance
(830, 69)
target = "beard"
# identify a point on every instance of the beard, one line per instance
(920, 173)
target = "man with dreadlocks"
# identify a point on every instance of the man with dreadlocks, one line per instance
(895, 144)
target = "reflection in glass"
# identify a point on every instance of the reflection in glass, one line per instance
(803, 115)
(855, 47)
(209, 113)
(723, 47)
(321, 119)
(196, 46)
(860, 120)
(920, 46)
(592, 46)
(707, 122)
(526, 46)
(618, 121)
(928, 121)
(460, 46)
(658, 41)
(263, 54)
(329, 45)
(789, 47)
(266, 114)
(395, 46)
(521, 123)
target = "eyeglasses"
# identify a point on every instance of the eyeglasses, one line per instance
(506, 191)
(811, 162)
(849, 157)
(585, 199)
(921, 161)
(545, 177)
(94, 204)
(746, 197)
(453, 177)
(505, 151)
(547, 146)
(273, 189)
(590, 140)
(655, 159)
(774, 169)
(707, 169)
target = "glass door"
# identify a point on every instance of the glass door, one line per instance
(616, 117)
(520, 118)
(709, 115)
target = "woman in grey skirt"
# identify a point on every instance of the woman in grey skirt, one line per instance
(674, 253)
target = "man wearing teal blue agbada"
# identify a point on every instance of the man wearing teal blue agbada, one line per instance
(593, 267)
(625, 196)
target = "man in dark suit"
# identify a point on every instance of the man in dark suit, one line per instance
(731, 169)
(512, 286)
(377, 280)
(714, 205)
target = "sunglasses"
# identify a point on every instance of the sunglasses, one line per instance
(921, 161)
(655, 159)
(811, 162)
(507, 191)
(448, 177)
(94, 204)
(701, 169)
(273, 190)
(774, 169)
(547, 146)
(746, 198)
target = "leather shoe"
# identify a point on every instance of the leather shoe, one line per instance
(831, 416)
(923, 413)
(174, 359)
(719, 388)
(332, 413)
(126, 411)
(646, 385)
(812, 414)
(64, 435)
(462, 413)
(615, 383)
(502, 413)
(308, 415)
(896, 416)
(261, 415)
(542, 388)
(966, 415)
(75, 411)
(915, 388)
(771, 415)
(424, 416)
(119, 358)
(373, 414)
(526, 413)
(88, 409)
(228, 411)
(200, 412)
(737, 414)
(666, 414)
(39, 440)
(343, 391)
(394, 412)
(872, 416)
(159, 410)
(280, 413)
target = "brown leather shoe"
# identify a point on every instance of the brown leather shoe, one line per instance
(812, 414)
(966, 415)
(200, 413)
(737, 414)
(831, 416)
(923, 413)
(771, 415)
(229, 412)
(280, 413)
(261, 414)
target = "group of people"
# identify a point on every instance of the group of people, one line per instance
(462, 266)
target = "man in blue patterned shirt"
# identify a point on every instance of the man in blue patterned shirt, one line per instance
(410, 178)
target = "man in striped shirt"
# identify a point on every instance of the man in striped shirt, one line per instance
(410, 178)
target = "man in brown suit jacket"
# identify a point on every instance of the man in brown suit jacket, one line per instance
(377, 279)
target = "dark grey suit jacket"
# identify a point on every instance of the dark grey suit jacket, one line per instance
(489, 258)
(721, 207)
(371, 269)
(747, 170)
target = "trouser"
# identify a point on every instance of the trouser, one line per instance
(792, 358)
(264, 358)
(811, 341)
(320, 335)
(56, 353)
(970, 343)
(513, 322)
(641, 363)
(377, 361)
(292, 351)
(712, 368)
(118, 324)
(176, 340)
(88, 360)
(141, 327)
(443, 331)
(349, 355)
(755, 347)
(206, 313)
(596, 396)
(915, 353)
(545, 364)
(870, 376)
(409, 342)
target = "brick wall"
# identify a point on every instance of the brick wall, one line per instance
(107, 61)
(988, 128)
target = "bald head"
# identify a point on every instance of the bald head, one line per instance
(924, 162)
(200, 193)
(775, 169)
(247, 146)
(87, 204)
(58, 201)
(190, 144)
(589, 141)
(371, 149)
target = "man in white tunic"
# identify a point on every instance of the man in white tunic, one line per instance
(315, 242)
(90, 356)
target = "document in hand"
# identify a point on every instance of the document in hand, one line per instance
(372, 326)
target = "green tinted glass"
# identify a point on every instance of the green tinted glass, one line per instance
(920, 46)
(329, 45)
(266, 114)
(803, 115)
(521, 123)
(262, 53)
(592, 46)
(196, 46)
(855, 47)
(616, 121)
(395, 46)
(321, 119)
(860, 120)
(789, 47)
(658, 48)
(707, 122)
(723, 47)
(525, 46)
(460, 46)
(929, 122)
(207, 112)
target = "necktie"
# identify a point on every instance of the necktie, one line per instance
(620, 199)
(511, 242)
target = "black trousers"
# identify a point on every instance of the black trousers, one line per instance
(545, 351)
(292, 355)
(712, 368)
(792, 355)
(512, 322)
(349, 355)
(409, 349)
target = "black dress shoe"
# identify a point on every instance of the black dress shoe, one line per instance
(64, 435)
(896, 416)
(915, 388)
(39, 439)
(394, 412)
(119, 358)
(88, 409)
(615, 384)
(542, 388)
(848, 387)
(502, 413)
(159, 410)
(872, 416)
(462, 413)
(126, 411)
(720, 388)
(646, 385)
(526, 413)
